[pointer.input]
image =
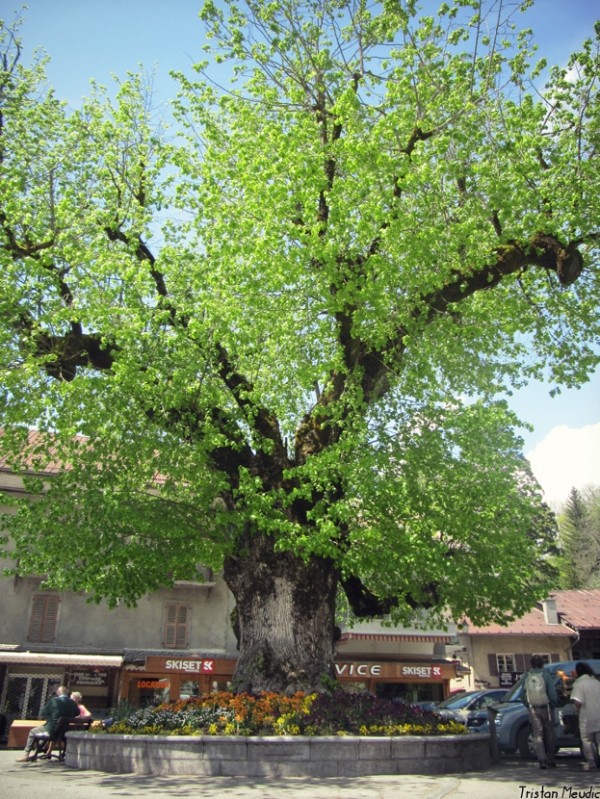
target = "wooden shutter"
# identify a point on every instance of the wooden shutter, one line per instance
(44, 615)
(523, 662)
(176, 626)
(493, 665)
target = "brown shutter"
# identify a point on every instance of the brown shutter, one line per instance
(44, 615)
(181, 632)
(519, 663)
(523, 662)
(176, 626)
(493, 665)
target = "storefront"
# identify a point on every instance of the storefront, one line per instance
(29, 679)
(170, 678)
(409, 680)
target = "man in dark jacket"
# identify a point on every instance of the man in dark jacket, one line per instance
(57, 707)
(541, 698)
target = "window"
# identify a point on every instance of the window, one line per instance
(44, 615)
(505, 663)
(545, 657)
(516, 664)
(176, 625)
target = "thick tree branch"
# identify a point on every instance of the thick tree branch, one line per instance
(142, 253)
(21, 249)
(355, 353)
(264, 422)
(75, 349)
(543, 250)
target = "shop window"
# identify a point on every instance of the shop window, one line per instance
(176, 626)
(44, 615)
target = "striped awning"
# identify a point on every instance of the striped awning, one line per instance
(60, 659)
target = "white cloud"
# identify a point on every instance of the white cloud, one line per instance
(567, 458)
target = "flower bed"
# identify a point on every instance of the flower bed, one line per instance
(267, 714)
(318, 735)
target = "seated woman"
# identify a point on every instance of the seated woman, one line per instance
(84, 713)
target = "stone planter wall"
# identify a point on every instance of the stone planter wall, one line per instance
(292, 756)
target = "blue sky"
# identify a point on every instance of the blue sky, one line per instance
(95, 38)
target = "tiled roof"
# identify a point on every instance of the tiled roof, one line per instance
(38, 456)
(577, 610)
(31, 458)
(532, 623)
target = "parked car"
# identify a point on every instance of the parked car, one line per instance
(426, 704)
(460, 707)
(513, 731)
(433, 705)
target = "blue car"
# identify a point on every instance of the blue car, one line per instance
(513, 731)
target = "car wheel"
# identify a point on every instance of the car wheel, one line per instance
(525, 743)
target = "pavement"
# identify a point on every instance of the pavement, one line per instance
(512, 778)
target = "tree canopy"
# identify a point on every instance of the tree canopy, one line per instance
(279, 337)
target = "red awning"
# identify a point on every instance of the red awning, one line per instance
(398, 638)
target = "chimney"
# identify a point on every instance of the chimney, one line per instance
(550, 611)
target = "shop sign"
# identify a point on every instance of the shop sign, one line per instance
(358, 669)
(190, 666)
(422, 672)
(413, 672)
(508, 678)
(87, 677)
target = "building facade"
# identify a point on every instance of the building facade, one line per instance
(565, 626)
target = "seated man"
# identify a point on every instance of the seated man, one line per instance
(60, 705)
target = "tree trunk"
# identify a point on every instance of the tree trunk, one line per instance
(284, 619)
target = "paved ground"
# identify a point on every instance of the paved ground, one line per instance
(511, 779)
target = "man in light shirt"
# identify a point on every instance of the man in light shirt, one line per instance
(585, 695)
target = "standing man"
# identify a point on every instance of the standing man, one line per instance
(585, 695)
(541, 699)
(57, 707)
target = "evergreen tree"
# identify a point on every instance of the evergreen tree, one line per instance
(579, 528)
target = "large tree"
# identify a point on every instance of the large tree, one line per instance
(276, 343)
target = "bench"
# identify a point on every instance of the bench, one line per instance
(45, 743)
